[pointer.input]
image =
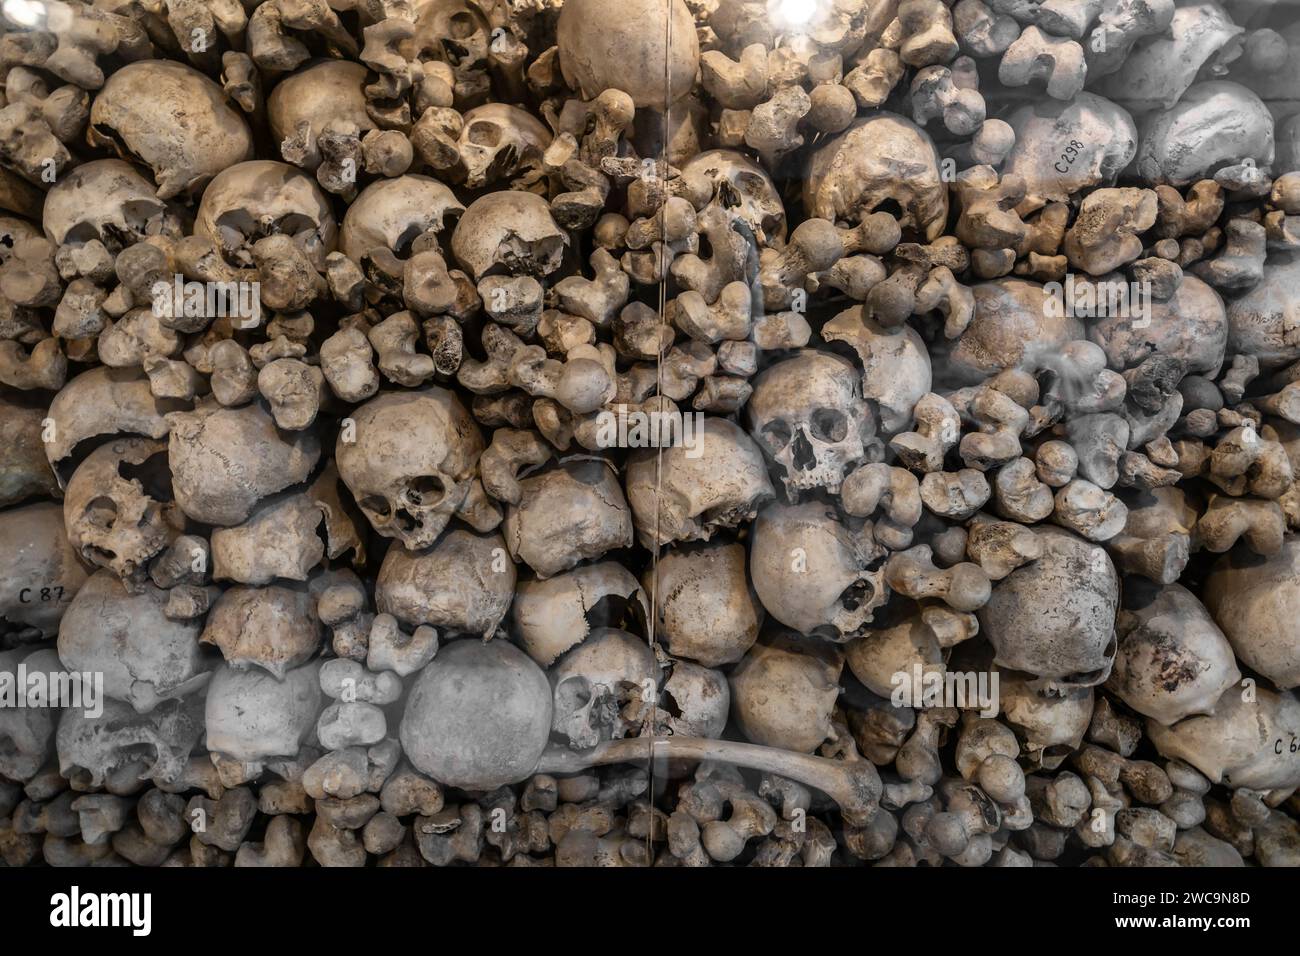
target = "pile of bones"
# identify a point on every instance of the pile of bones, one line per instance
(367, 582)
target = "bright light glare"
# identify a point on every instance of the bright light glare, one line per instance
(797, 11)
(25, 13)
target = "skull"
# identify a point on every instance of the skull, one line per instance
(1215, 124)
(120, 748)
(567, 514)
(252, 717)
(508, 232)
(813, 574)
(882, 162)
(462, 585)
(26, 733)
(411, 463)
(1050, 726)
(552, 615)
(1055, 617)
(807, 414)
(1265, 322)
(453, 31)
(895, 363)
(275, 628)
(625, 46)
(707, 609)
(172, 118)
(36, 561)
(332, 90)
(261, 198)
(499, 141)
(1257, 603)
(112, 518)
(686, 494)
(783, 692)
(1103, 134)
(104, 401)
(605, 688)
(391, 213)
(1172, 661)
(695, 701)
(145, 656)
(105, 199)
(744, 189)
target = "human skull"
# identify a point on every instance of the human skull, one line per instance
(108, 200)
(275, 628)
(498, 142)
(260, 198)
(1050, 726)
(1191, 325)
(1265, 322)
(1102, 133)
(451, 31)
(144, 656)
(626, 46)
(40, 569)
(695, 701)
(567, 514)
(172, 118)
(552, 615)
(410, 463)
(783, 692)
(27, 733)
(605, 688)
(684, 494)
(120, 748)
(508, 232)
(104, 401)
(1172, 661)
(462, 585)
(813, 574)
(1215, 124)
(304, 103)
(391, 213)
(707, 608)
(882, 162)
(1257, 603)
(895, 365)
(807, 413)
(252, 716)
(117, 507)
(744, 189)
(1055, 617)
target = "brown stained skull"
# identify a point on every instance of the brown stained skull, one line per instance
(260, 198)
(391, 213)
(118, 507)
(410, 462)
(808, 415)
(303, 103)
(742, 188)
(498, 142)
(511, 233)
(605, 688)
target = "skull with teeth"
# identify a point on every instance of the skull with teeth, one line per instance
(604, 688)
(112, 519)
(119, 748)
(808, 415)
(744, 189)
(108, 200)
(813, 574)
(498, 142)
(261, 198)
(410, 467)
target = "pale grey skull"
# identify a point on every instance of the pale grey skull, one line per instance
(808, 416)
(119, 748)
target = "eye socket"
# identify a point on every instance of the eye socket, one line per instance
(829, 425)
(376, 504)
(425, 490)
(777, 434)
(484, 134)
(102, 512)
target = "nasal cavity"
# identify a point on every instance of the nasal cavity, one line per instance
(804, 458)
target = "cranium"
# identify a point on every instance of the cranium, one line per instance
(744, 189)
(812, 573)
(684, 494)
(1055, 617)
(1103, 135)
(145, 657)
(172, 118)
(121, 748)
(411, 463)
(882, 162)
(605, 688)
(104, 401)
(462, 585)
(391, 213)
(807, 414)
(27, 733)
(252, 717)
(626, 47)
(783, 691)
(275, 628)
(453, 31)
(1050, 726)
(695, 701)
(552, 615)
(1265, 322)
(1173, 661)
(895, 365)
(303, 103)
(508, 232)
(1191, 325)
(1215, 124)
(498, 142)
(249, 201)
(108, 200)
(116, 507)
(36, 561)
(707, 609)
(567, 514)
(1257, 603)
